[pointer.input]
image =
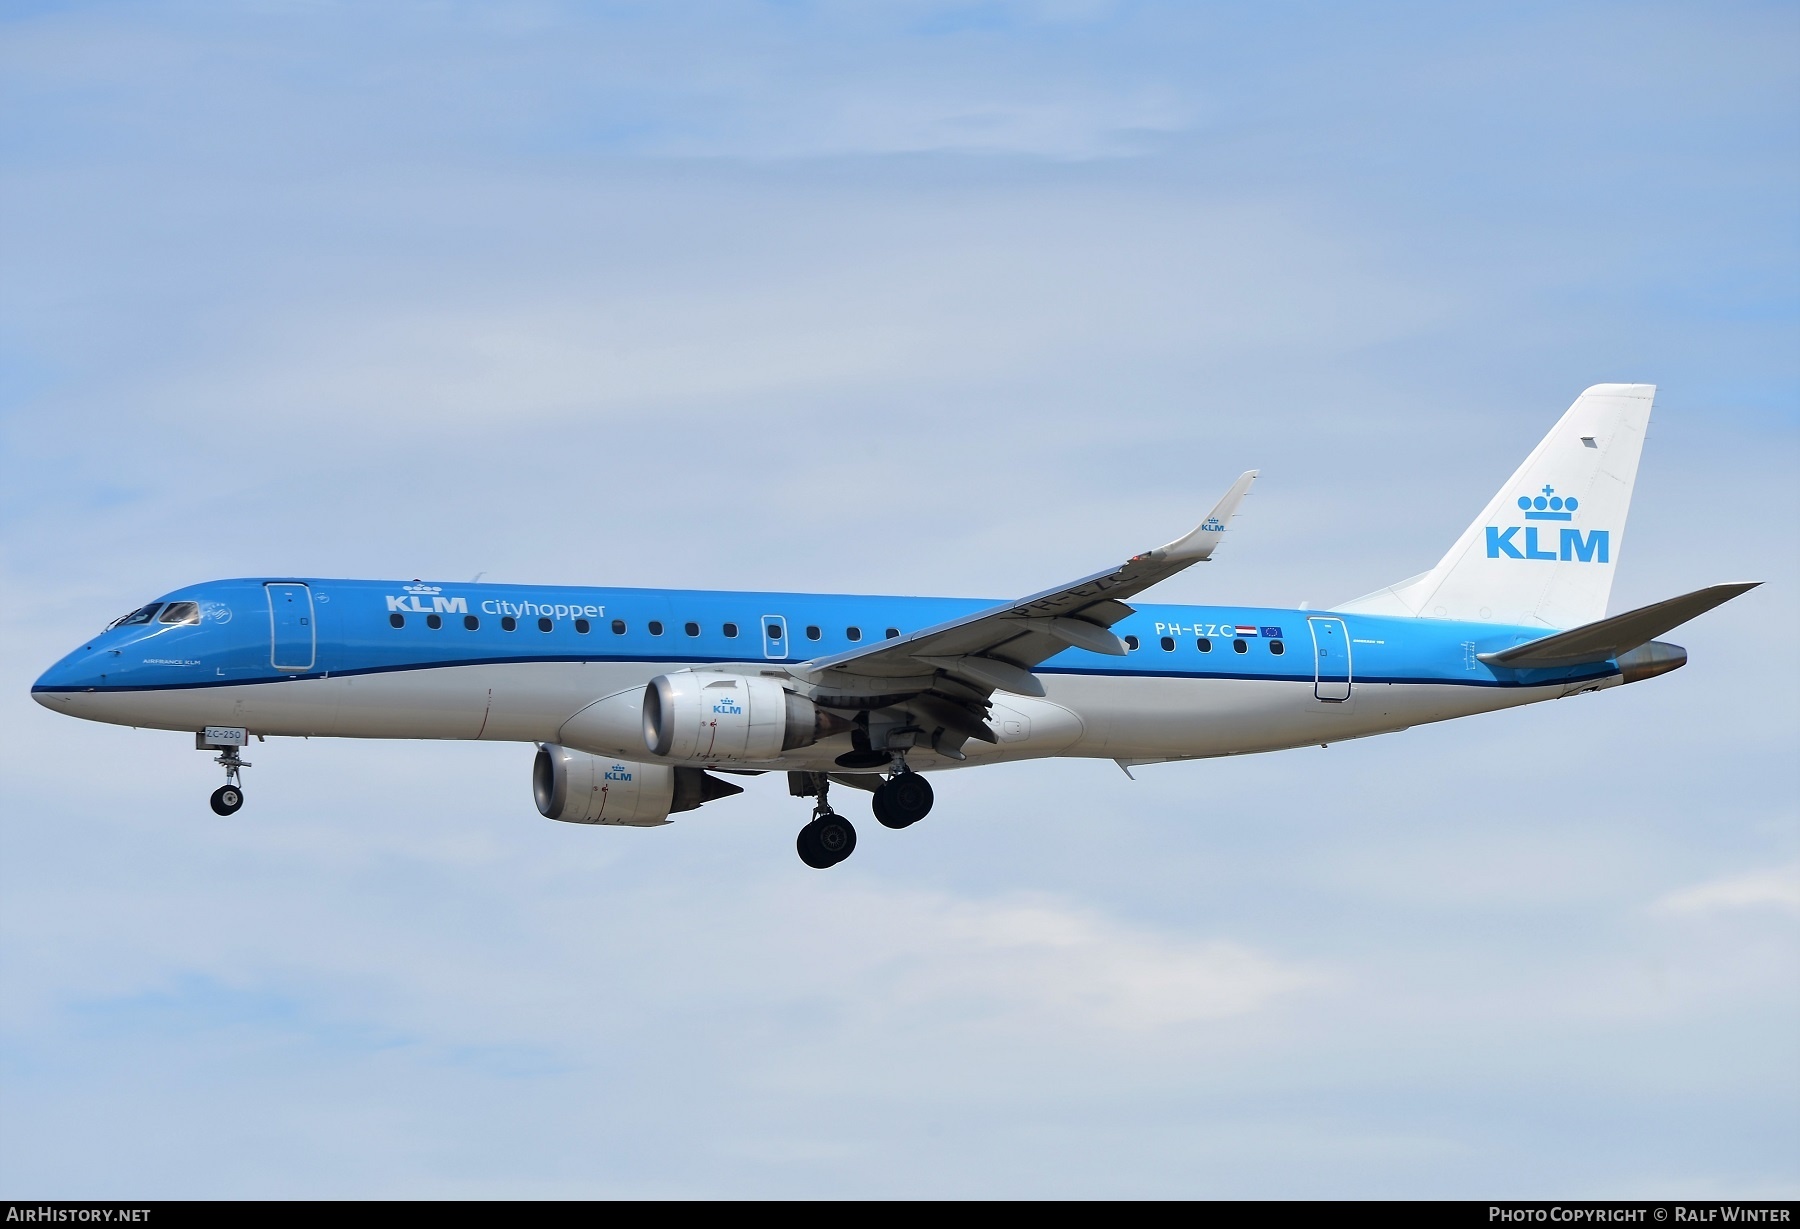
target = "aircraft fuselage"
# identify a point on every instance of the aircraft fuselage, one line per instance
(380, 659)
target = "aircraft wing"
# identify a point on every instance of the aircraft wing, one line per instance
(1608, 638)
(995, 649)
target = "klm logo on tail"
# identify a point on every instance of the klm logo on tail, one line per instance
(1573, 546)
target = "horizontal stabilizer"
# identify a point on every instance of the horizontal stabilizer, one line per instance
(1611, 638)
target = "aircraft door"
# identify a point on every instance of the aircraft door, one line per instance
(1331, 659)
(775, 637)
(293, 641)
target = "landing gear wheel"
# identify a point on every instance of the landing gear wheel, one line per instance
(903, 801)
(878, 804)
(229, 796)
(826, 841)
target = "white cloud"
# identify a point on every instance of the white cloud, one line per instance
(1777, 888)
(822, 302)
(1051, 961)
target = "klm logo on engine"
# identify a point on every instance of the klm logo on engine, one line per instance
(413, 602)
(1572, 545)
(618, 772)
(727, 706)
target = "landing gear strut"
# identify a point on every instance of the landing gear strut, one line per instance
(829, 838)
(903, 799)
(229, 796)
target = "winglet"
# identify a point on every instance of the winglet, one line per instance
(1204, 540)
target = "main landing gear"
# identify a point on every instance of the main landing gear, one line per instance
(903, 799)
(899, 802)
(829, 838)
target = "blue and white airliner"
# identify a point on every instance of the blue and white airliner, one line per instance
(638, 698)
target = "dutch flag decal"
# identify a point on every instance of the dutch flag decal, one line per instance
(1246, 631)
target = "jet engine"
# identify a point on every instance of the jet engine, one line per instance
(730, 718)
(579, 788)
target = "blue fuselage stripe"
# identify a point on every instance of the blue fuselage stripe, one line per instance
(378, 627)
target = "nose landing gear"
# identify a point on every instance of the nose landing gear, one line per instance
(230, 796)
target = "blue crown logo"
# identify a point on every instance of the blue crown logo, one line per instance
(1549, 506)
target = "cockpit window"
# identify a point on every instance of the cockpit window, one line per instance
(181, 612)
(141, 615)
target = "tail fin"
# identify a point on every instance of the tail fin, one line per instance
(1542, 552)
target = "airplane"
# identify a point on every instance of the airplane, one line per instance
(639, 699)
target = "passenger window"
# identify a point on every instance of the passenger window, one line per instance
(853, 634)
(655, 628)
(618, 627)
(396, 620)
(893, 633)
(812, 633)
(509, 624)
(1204, 645)
(692, 629)
(773, 630)
(730, 630)
(1168, 644)
(1131, 643)
(434, 621)
(471, 622)
(142, 614)
(582, 626)
(1277, 648)
(181, 612)
(544, 625)
(1238, 646)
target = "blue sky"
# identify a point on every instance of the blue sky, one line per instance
(898, 298)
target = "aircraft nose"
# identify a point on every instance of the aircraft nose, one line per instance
(78, 672)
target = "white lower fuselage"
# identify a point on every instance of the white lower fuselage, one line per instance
(1122, 717)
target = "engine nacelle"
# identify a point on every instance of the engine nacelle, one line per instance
(578, 788)
(730, 718)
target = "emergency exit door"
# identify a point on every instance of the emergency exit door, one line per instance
(775, 638)
(1331, 660)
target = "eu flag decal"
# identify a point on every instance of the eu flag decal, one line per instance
(1273, 633)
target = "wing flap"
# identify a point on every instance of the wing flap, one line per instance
(1080, 634)
(993, 675)
(1610, 638)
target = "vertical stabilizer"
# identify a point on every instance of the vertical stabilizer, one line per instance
(1542, 552)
